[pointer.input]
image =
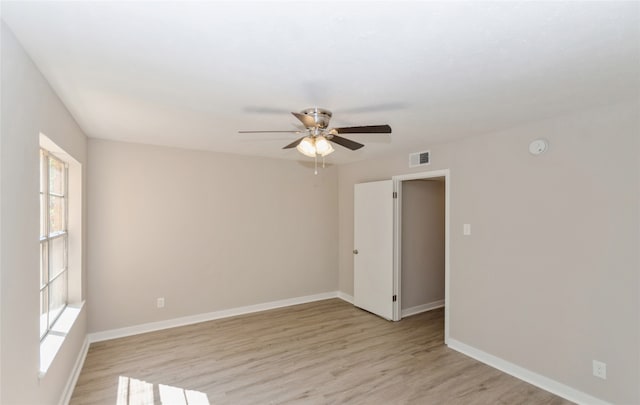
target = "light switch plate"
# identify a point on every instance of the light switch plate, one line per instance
(466, 229)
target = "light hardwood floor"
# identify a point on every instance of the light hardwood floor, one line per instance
(326, 352)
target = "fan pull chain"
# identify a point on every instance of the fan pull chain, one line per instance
(316, 168)
(323, 161)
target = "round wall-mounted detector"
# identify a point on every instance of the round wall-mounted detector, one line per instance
(538, 146)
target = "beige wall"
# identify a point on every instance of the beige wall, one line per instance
(206, 231)
(29, 106)
(548, 279)
(422, 253)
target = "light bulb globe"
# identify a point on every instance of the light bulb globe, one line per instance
(307, 147)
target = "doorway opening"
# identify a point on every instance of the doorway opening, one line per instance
(421, 244)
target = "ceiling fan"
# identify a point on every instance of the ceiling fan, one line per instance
(317, 133)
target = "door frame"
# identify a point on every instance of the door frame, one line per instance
(397, 241)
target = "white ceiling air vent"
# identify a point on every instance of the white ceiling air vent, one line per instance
(419, 158)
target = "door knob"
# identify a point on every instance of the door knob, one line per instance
(355, 251)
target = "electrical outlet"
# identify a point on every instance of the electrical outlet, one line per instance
(160, 302)
(466, 229)
(600, 369)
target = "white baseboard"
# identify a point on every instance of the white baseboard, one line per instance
(73, 378)
(422, 308)
(345, 297)
(210, 316)
(523, 374)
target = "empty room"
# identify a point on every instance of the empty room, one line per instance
(316, 202)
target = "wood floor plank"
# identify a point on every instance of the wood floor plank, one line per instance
(326, 352)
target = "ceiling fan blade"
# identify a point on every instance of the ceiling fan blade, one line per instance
(347, 143)
(269, 132)
(367, 129)
(294, 143)
(306, 120)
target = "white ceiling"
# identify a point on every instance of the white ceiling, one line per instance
(190, 74)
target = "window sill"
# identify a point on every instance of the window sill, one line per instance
(51, 344)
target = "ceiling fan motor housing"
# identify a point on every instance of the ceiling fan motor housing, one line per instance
(320, 116)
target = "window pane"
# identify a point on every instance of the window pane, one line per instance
(56, 214)
(58, 297)
(56, 176)
(44, 306)
(43, 175)
(44, 267)
(56, 255)
(43, 218)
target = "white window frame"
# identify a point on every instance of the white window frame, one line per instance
(46, 242)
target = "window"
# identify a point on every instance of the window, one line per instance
(54, 240)
(61, 268)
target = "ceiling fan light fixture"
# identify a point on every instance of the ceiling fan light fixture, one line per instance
(323, 147)
(307, 147)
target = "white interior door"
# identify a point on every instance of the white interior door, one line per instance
(373, 247)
